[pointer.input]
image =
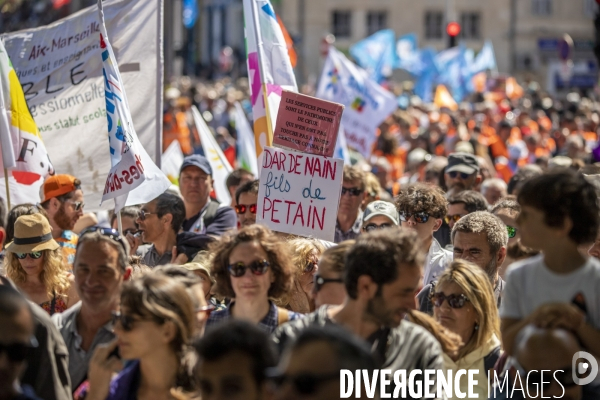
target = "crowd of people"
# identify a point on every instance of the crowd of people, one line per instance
(469, 240)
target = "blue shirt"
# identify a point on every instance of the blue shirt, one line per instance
(269, 323)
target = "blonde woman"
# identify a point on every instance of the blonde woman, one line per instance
(305, 257)
(464, 303)
(34, 262)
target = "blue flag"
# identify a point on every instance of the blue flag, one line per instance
(190, 13)
(426, 71)
(407, 52)
(376, 54)
(454, 71)
(485, 60)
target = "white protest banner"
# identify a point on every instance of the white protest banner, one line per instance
(299, 193)
(133, 171)
(172, 159)
(367, 103)
(60, 69)
(217, 160)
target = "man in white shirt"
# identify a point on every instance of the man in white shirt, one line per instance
(560, 288)
(422, 208)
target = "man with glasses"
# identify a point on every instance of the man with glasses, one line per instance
(349, 217)
(421, 208)
(246, 197)
(100, 268)
(203, 214)
(462, 173)
(379, 215)
(463, 203)
(63, 202)
(16, 343)
(480, 238)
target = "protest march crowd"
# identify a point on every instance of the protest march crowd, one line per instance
(465, 238)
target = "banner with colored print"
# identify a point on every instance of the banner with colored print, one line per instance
(132, 169)
(367, 103)
(269, 68)
(23, 152)
(60, 69)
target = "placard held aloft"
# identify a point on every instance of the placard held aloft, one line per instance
(299, 193)
(307, 124)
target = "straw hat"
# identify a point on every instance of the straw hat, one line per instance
(32, 233)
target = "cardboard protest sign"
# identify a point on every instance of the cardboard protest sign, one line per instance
(299, 193)
(307, 124)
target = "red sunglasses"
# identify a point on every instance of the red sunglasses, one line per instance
(242, 208)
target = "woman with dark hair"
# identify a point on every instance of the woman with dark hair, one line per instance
(153, 328)
(252, 266)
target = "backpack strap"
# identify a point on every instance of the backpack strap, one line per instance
(489, 361)
(211, 212)
(283, 316)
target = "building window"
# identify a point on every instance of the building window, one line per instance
(433, 24)
(541, 7)
(470, 25)
(341, 24)
(376, 21)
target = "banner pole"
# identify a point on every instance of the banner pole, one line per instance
(7, 189)
(119, 223)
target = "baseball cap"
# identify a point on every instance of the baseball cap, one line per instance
(57, 185)
(196, 160)
(379, 207)
(462, 162)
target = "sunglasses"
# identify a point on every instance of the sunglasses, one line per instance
(320, 282)
(454, 218)
(512, 231)
(420, 217)
(373, 227)
(258, 267)
(35, 255)
(142, 214)
(242, 208)
(455, 301)
(131, 231)
(534, 378)
(462, 175)
(303, 384)
(18, 352)
(351, 191)
(126, 321)
(77, 205)
(310, 267)
(107, 232)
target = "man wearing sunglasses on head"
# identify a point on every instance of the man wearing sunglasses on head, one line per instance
(62, 198)
(16, 344)
(421, 208)
(246, 197)
(100, 269)
(379, 215)
(349, 217)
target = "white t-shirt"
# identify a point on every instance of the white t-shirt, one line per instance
(529, 284)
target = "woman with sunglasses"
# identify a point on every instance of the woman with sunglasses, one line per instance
(35, 263)
(464, 303)
(305, 257)
(153, 328)
(252, 266)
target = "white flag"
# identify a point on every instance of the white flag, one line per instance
(172, 159)
(367, 103)
(246, 147)
(133, 178)
(219, 164)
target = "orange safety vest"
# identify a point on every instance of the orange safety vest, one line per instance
(175, 127)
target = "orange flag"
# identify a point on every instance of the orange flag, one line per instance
(289, 42)
(443, 98)
(513, 89)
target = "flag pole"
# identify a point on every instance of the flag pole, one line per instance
(7, 189)
(259, 47)
(119, 222)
